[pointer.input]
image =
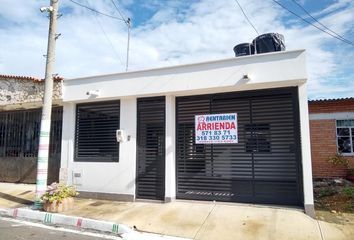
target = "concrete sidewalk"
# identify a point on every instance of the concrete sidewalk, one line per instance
(196, 220)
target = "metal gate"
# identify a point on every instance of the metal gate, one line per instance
(264, 167)
(19, 138)
(151, 148)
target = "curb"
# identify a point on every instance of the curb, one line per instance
(60, 219)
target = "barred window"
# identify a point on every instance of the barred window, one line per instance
(96, 125)
(257, 137)
(19, 132)
(345, 136)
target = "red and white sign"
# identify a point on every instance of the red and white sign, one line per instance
(216, 128)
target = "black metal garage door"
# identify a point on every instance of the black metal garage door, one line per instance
(151, 148)
(264, 167)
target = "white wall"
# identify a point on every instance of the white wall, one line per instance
(306, 151)
(116, 177)
(332, 115)
(105, 177)
(265, 71)
(170, 166)
(67, 143)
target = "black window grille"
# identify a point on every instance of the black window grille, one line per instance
(257, 137)
(96, 125)
(19, 132)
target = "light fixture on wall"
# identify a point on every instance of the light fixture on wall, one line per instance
(93, 93)
(245, 77)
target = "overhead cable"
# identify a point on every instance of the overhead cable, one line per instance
(120, 12)
(96, 11)
(248, 20)
(320, 22)
(108, 40)
(303, 19)
(127, 22)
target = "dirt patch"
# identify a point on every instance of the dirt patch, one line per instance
(339, 202)
(252, 227)
(338, 217)
(334, 195)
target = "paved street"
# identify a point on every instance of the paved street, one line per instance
(19, 230)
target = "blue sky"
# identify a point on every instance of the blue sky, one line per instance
(170, 32)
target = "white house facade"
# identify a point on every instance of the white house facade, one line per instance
(233, 130)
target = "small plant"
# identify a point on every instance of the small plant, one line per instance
(349, 207)
(326, 192)
(339, 160)
(349, 192)
(58, 192)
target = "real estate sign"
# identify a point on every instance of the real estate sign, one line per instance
(216, 128)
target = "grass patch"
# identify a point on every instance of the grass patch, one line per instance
(326, 192)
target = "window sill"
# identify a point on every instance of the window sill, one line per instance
(95, 160)
(348, 154)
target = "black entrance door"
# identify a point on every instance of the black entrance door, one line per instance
(151, 148)
(263, 167)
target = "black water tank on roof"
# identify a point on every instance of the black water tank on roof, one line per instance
(243, 49)
(269, 42)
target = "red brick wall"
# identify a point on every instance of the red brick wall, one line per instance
(323, 145)
(323, 138)
(331, 106)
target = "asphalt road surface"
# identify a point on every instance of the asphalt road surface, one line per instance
(20, 230)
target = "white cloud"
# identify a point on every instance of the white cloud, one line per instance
(206, 30)
(337, 5)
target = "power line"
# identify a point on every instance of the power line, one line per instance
(109, 41)
(246, 17)
(128, 23)
(303, 19)
(119, 12)
(320, 22)
(96, 11)
(102, 29)
(107, 38)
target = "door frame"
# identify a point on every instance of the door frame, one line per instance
(137, 147)
(293, 91)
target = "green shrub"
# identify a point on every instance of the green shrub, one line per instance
(349, 192)
(339, 160)
(326, 192)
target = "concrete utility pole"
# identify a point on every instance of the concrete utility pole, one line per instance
(43, 148)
